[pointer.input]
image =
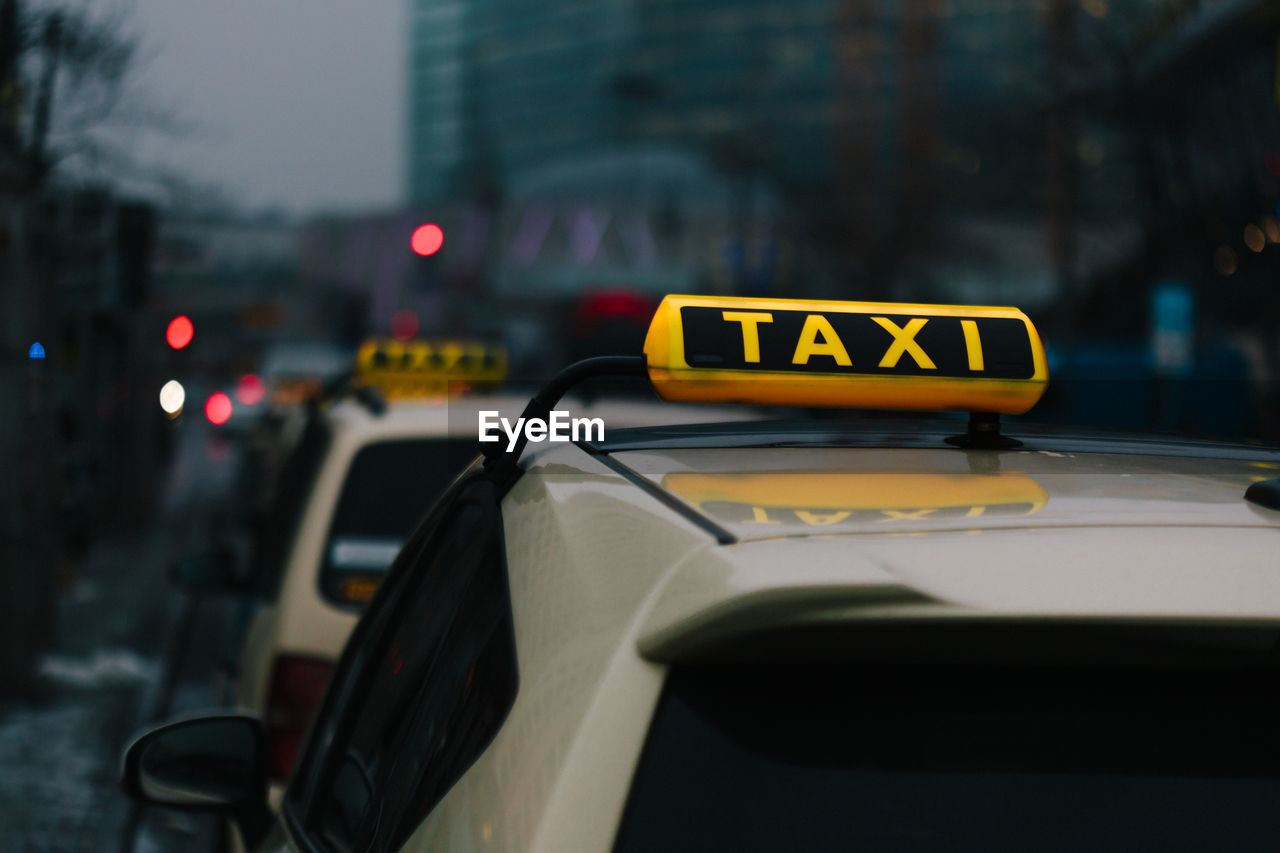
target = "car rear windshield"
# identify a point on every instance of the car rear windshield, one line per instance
(860, 758)
(389, 487)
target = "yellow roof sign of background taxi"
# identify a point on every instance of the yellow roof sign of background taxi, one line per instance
(425, 368)
(823, 353)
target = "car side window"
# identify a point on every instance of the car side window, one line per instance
(437, 678)
(465, 701)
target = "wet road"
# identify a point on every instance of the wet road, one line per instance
(129, 649)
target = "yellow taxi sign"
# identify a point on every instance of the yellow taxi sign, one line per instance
(824, 353)
(423, 368)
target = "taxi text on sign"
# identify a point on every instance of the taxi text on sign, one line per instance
(868, 354)
(418, 368)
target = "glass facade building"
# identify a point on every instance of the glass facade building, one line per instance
(929, 149)
(498, 87)
(859, 92)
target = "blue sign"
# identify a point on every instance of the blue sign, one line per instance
(1172, 328)
(36, 350)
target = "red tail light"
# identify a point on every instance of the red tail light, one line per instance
(604, 305)
(297, 686)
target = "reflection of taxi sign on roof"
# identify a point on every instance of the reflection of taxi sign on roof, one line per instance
(821, 498)
(868, 354)
(421, 368)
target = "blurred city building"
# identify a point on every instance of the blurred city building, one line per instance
(1073, 157)
(233, 275)
(1068, 156)
(1193, 112)
(246, 283)
(878, 129)
(90, 257)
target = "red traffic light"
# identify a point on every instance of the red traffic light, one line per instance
(180, 331)
(427, 239)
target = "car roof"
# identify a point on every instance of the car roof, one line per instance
(793, 535)
(404, 417)
(759, 493)
(927, 430)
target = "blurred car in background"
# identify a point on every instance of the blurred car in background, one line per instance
(359, 461)
(372, 476)
(294, 372)
(289, 374)
(269, 411)
(375, 478)
(363, 471)
(606, 321)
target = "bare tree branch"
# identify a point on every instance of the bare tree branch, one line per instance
(79, 81)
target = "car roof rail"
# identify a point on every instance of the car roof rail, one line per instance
(503, 463)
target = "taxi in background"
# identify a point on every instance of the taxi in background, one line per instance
(371, 455)
(809, 635)
(365, 468)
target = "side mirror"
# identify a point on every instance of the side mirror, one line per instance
(212, 763)
(216, 571)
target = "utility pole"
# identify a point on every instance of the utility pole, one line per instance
(1060, 163)
(920, 111)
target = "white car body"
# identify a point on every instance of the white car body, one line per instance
(624, 564)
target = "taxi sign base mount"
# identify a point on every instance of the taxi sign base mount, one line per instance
(983, 434)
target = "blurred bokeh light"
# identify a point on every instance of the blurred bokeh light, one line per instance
(427, 239)
(180, 331)
(172, 398)
(218, 408)
(404, 324)
(250, 389)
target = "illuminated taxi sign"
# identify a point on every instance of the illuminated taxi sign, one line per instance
(822, 498)
(868, 354)
(419, 368)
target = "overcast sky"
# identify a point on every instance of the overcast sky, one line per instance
(298, 103)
